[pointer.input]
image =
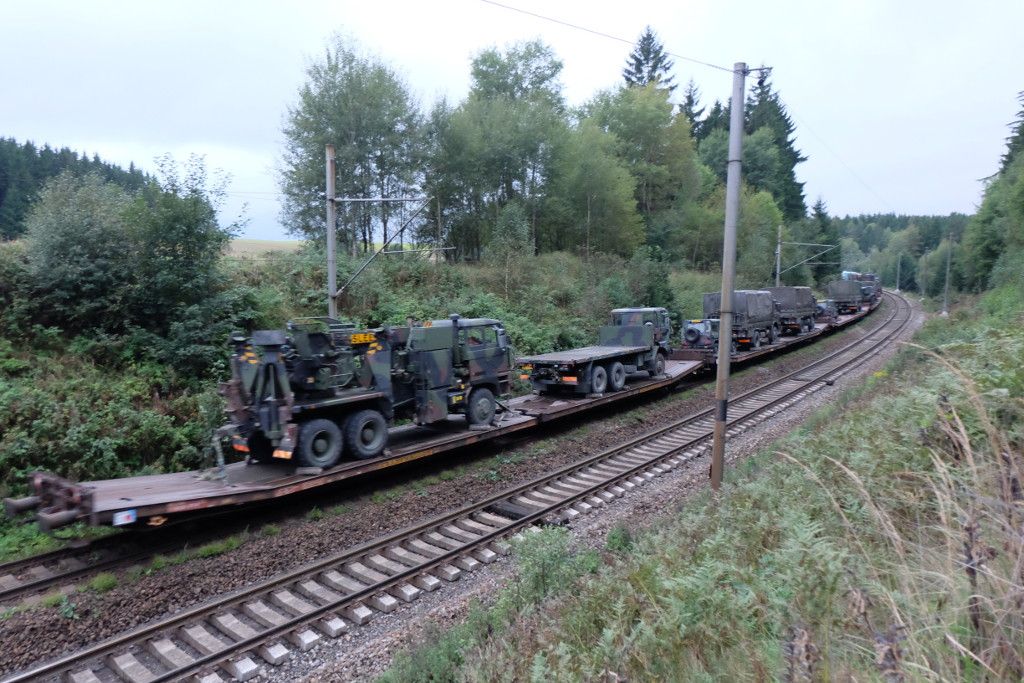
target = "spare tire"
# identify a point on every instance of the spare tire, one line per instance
(692, 335)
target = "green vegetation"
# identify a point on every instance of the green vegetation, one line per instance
(103, 582)
(882, 542)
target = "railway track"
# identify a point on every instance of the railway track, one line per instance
(234, 635)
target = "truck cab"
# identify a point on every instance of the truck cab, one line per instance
(655, 318)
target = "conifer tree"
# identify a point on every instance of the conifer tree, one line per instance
(1014, 143)
(648, 63)
(690, 107)
(764, 109)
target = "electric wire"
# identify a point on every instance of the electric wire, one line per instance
(577, 27)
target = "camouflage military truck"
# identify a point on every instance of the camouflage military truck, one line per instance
(755, 318)
(796, 308)
(847, 295)
(321, 388)
(638, 339)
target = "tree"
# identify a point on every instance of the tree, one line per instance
(497, 146)
(591, 201)
(79, 270)
(1014, 143)
(176, 243)
(509, 241)
(764, 110)
(648, 63)
(655, 144)
(717, 119)
(361, 107)
(690, 107)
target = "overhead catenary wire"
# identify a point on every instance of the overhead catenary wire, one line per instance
(602, 34)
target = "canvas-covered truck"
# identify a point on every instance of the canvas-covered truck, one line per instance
(847, 294)
(796, 306)
(755, 318)
(321, 388)
(637, 339)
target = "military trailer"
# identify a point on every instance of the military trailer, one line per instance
(637, 339)
(755, 318)
(703, 334)
(825, 311)
(321, 388)
(796, 308)
(847, 294)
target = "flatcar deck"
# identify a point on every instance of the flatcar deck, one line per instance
(155, 498)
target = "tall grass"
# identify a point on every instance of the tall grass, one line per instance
(881, 542)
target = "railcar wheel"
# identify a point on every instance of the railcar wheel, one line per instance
(320, 444)
(366, 433)
(616, 376)
(598, 380)
(480, 410)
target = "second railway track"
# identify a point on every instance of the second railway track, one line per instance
(234, 635)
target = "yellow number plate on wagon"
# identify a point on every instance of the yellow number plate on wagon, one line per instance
(364, 338)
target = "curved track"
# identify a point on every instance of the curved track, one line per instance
(234, 635)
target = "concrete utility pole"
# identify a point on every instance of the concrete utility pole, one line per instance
(945, 294)
(778, 257)
(732, 210)
(332, 259)
(899, 262)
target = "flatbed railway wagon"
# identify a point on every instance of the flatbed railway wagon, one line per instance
(636, 340)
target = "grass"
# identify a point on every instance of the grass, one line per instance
(103, 582)
(249, 247)
(879, 542)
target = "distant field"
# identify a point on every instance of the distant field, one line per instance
(243, 247)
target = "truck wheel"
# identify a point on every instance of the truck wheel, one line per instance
(772, 335)
(319, 444)
(598, 380)
(616, 376)
(659, 365)
(480, 410)
(366, 432)
(756, 343)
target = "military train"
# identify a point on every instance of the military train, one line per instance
(322, 389)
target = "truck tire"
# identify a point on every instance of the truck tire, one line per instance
(756, 343)
(616, 376)
(773, 335)
(481, 406)
(366, 434)
(658, 368)
(598, 380)
(320, 444)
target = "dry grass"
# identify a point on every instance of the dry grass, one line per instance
(250, 247)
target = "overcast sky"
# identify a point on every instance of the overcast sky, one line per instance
(900, 106)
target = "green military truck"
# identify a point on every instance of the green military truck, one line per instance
(847, 294)
(638, 339)
(796, 307)
(323, 388)
(755, 317)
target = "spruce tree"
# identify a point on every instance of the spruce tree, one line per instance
(648, 63)
(764, 109)
(690, 107)
(1014, 143)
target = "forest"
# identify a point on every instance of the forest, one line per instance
(118, 292)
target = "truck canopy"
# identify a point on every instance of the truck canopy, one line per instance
(844, 290)
(794, 301)
(751, 306)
